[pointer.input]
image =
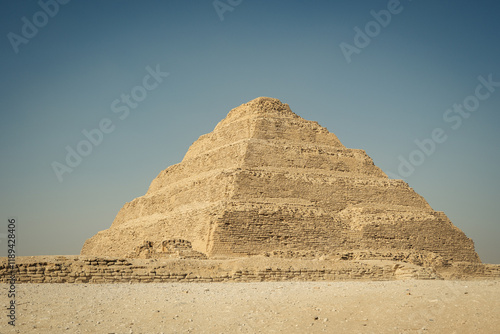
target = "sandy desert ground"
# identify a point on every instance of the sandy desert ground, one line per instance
(270, 307)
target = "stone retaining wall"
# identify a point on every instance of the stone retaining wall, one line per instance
(112, 270)
(75, 269)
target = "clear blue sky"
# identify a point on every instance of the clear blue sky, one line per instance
(396, 89)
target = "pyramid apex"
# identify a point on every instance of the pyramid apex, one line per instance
(262, 99)
(261, 106)
(263, 103)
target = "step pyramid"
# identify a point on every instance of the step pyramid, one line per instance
(266, 181)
